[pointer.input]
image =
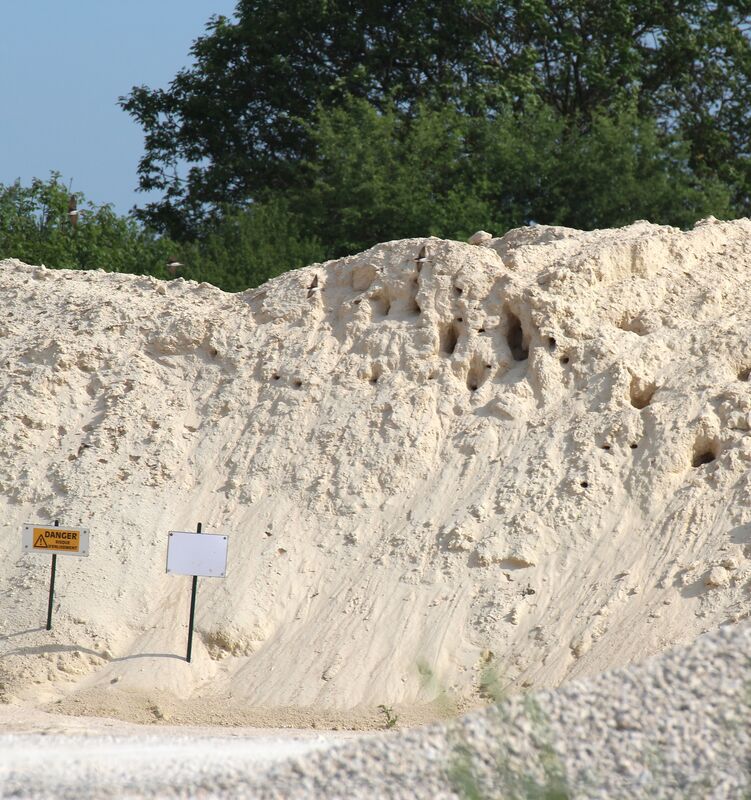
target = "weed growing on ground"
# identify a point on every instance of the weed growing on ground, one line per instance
(390, 717)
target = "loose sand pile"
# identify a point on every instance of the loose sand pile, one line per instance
(528, 460)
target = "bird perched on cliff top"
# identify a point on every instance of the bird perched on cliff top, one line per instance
(313, 288)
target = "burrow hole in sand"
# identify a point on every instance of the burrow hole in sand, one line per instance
(381, 302)
(413, 307)
(375, 373)
(515, 338)
(743, 374)
(478, 373)
(640, 392)
(449, 336)
(705, 451)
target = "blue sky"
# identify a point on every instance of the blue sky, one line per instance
(62, 67)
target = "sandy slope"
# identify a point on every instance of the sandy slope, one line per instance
(532, 457)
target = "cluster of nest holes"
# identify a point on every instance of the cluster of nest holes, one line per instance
(640, 392)
(515, 338)
(705, 452)
(297, 383)
(632, 446)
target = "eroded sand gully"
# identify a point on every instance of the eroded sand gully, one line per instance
(529, 459)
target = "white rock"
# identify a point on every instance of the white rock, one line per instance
(481, 237)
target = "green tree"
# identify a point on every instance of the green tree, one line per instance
(249, 246)
(445, 173)
(232, 128)
(35, 227)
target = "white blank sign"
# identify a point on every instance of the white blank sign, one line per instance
(202, 554)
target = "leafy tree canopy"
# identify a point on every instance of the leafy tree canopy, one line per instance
(447, 174)
(234, 127)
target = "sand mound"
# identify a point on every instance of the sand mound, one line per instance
(529, 459)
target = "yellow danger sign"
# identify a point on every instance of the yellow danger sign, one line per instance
(65, 540)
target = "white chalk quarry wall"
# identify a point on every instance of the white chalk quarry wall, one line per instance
(532, 455)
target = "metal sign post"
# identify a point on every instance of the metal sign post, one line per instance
(54, 540)
(193, 592)
(51, 600)
(188, 554)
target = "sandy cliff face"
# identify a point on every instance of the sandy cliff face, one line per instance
(532, 455)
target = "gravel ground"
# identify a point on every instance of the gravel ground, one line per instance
(159, 764)
(678, 726)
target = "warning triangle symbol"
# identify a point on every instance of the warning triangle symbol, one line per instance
(40, 542)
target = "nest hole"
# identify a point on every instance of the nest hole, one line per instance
(449, 336)
(704, 453)
(375, 373)
(584, 484)
(297, 384)
(606, 447)
(477, 375)
(743, 375)
(640, 393)
(515, 338)
(381, 303)
(564, 360)
(551, 343)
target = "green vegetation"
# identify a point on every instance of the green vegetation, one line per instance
(243, 250)
(390, 718)
(305, 131)
(543, 776)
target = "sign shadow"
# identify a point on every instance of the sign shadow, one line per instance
(147, 655)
